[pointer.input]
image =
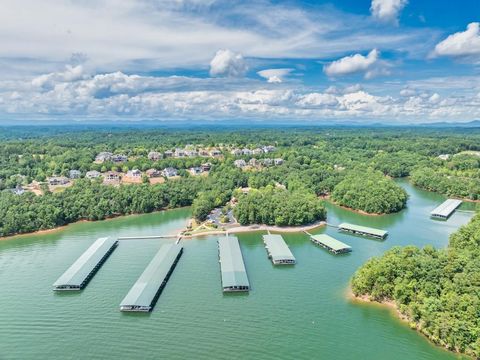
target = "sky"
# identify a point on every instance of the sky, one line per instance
(311, 61)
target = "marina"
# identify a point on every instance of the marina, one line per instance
(331, 244)
(82, 271)
(446, 209)
(363, 231)
(277, 250)
(145, 292)
(232, 267)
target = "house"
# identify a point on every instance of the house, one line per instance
(134, 174)
(92, 174)
(236, 152)
(253, 162)
(119, 158)
(206, 166)
(191, 153)
(103, 156)
(112, 176)
(268, 149)
(246, 152)
(195, 170)
(203, 152)
(215, 153)
(444, 157)
(169, 172)
(278, 161)
(154, 156)
(257, 151)
(240, 163)
(57, 180)
(168, 154)
(179, 153)
(153, 173)
(267, 162)
(74, 174)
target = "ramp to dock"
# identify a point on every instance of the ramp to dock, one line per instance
(363, 231)
(331, 244)
(145, 292)
(277, 250)
(232, 267)
(444, 210)
(82, 271)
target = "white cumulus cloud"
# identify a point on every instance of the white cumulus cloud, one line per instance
(464, 43)
(352, 64)
(228, 63)
(387, 10)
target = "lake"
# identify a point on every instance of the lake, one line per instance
(297, 312)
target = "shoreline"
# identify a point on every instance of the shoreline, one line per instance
(361, 212)
(63, 227)
(257, 227)
(395, 311)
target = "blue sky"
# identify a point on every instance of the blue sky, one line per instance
(390, 61)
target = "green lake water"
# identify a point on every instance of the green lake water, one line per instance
(298, 312)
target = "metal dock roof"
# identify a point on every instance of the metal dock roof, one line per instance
(363, 229)
(81, 271)
(234, 275)
(278, 249)
(331, 243)
(445, 209)
(144, 293)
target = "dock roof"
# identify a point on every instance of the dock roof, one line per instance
(330, 242)
(277, 248)
(364, 229)
(231, 263)
(79, 271)
(446, 208)
(145, 289)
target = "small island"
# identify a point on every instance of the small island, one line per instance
(436, 291)
(369, 192)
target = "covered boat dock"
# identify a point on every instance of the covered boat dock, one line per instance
(278, 250)
(363, 231)
(145, 292)
(232, 267)
(446, 209)
(82, 271)
(331, 244)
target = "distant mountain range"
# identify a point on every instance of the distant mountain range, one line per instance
(474, 123)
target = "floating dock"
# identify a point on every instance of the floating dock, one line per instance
(363, 231)
(278, 250)
(82, 271)
(331, 244)
(446, 209)
(145, 292)
(234, 275)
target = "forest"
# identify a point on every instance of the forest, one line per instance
(371, 192)
(437, 290)
(355, 166)
(273, 206)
